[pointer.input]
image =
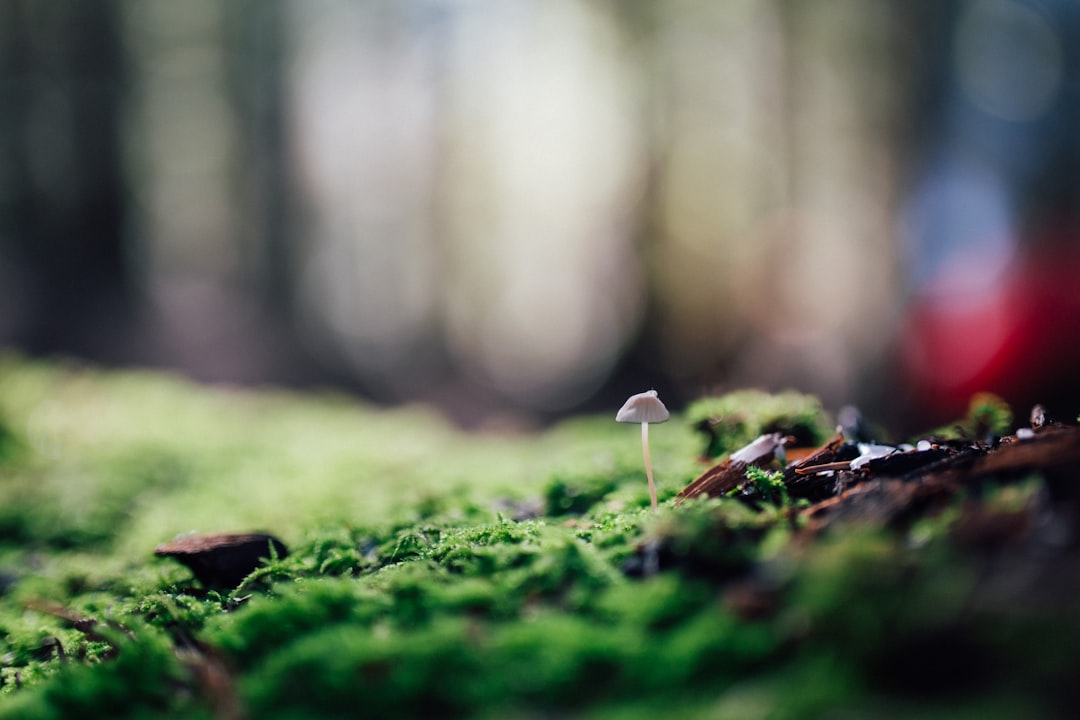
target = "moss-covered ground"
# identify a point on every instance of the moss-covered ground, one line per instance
(434, 573)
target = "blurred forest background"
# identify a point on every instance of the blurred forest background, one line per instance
(516, 209)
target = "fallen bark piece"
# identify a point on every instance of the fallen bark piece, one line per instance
(715, 482)
(729, 474)
(222, 560)
(1050, 448)
(816, 476)
(886, 503)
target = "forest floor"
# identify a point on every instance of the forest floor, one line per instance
(172, 550)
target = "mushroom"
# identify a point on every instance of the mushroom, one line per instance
(644, 408)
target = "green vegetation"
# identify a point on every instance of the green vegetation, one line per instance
(730, 421)
(988, 416)
(437, 574)
(768, 484)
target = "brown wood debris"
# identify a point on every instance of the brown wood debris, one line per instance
(222, 560)
(894, 486)
(729, 474)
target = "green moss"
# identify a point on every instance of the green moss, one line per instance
(433, 573)
(730, 421)
(715, 538)
(988, 417)
(140, 680)
(767, 485)
(352, 672)
(574, 496)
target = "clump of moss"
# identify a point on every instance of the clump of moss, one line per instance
(715, 538)
(566, 495)
(767, 484)
(988, 417)
(730, 421)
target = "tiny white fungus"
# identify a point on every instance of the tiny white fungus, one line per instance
(644, 408)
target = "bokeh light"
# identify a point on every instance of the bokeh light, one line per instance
(539, 207)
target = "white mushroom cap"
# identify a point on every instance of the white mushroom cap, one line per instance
(643, 408)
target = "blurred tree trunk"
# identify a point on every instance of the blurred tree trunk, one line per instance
(255, 31)
(62, 238)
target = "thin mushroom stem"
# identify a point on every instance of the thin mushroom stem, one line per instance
(648, 464)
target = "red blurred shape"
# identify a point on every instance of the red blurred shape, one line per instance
(1018, 338)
